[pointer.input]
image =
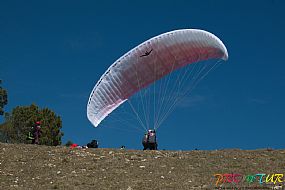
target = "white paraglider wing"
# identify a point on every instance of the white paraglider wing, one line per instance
(148, 62)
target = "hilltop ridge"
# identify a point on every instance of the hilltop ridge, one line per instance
(25, 166)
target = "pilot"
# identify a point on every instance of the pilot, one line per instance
(149, 140)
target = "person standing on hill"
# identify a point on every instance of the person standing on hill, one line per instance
(37, 133)
(149, 140)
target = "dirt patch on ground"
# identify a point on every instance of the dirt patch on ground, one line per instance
(43, 167)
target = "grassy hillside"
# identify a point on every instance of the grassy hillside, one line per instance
(42, 167)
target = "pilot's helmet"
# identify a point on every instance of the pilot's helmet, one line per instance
(151, 131)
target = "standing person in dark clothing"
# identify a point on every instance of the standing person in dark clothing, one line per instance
(149, 140)
(37, 133)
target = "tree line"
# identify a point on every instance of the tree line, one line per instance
(19, 123)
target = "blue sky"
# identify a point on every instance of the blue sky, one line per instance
(52, 53)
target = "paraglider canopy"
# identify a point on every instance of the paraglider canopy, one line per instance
(73, 145)
(147, 63)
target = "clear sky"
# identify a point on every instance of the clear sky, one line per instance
(53, 52)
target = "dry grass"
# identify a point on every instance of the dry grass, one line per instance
(43, 167)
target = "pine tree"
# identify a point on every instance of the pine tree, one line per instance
(22, 121)
(3, 99)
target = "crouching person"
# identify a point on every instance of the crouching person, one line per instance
(93, 144)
